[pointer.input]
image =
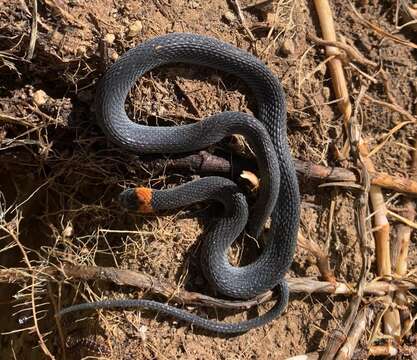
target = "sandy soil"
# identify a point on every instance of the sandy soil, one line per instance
(58, 166)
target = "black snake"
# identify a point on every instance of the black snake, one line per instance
(278, 196)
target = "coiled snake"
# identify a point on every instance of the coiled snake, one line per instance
(278, 196)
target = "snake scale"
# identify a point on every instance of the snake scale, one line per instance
(278, 196)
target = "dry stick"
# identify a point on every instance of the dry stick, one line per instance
(322, 258)
(355, 334)
(395, 107)
(204, 162)
(392, 324)
(386, 350)
(335, 65)
(34, 30)
(381, 32)
(350, 51)
(242, 19)
(309, 356)
(144, 281)
(336, 174)
(340, 336)
(391, 318)
(402, 245)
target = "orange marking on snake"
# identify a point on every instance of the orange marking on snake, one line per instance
(144, 196)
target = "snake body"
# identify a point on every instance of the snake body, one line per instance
(278, 196)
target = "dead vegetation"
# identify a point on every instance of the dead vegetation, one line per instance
(349, 73)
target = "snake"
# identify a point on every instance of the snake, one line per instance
(278, 197)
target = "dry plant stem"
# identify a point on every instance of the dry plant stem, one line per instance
(394, 107)
(144, 281)
(386, 350)
(402, 244)
(336, 174)
(339, 336)
(391, 319)
(309, 356)
(204, 162)
(242, 19)
(347, 350)
(380, 31)
(404, 232)
(335, 65)
(403, 239)
(392, 324)
(350, 51)
(322, 259)
(34, 30)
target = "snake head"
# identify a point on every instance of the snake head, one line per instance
(139, 199)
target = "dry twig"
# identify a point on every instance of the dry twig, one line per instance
(242, 19)
(380, 31)
(322, 258)
(204, 162)
(144, 281)
(391, 319)
(355, 334)
(34, 30)
(350, 51)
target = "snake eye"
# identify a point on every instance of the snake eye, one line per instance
(139, 199)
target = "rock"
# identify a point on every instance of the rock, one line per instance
(194, 4)
(109, 38)
(114, 55)
(40, 97)
(229, 16)
(135, 28)
(287, 47)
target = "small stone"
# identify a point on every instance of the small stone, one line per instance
(40, 97)
(109, 38)
(194, 4)
(135, 28)
(114, 55)
(288, 47)
(229, 16)
(271, 19)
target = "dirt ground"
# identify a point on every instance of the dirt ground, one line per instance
(60, 177)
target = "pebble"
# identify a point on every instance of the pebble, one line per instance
(40, 97)
(135, 28)
(194, 4)
(288, 47)
(114, 55)
(109, 38)
(229, 16)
